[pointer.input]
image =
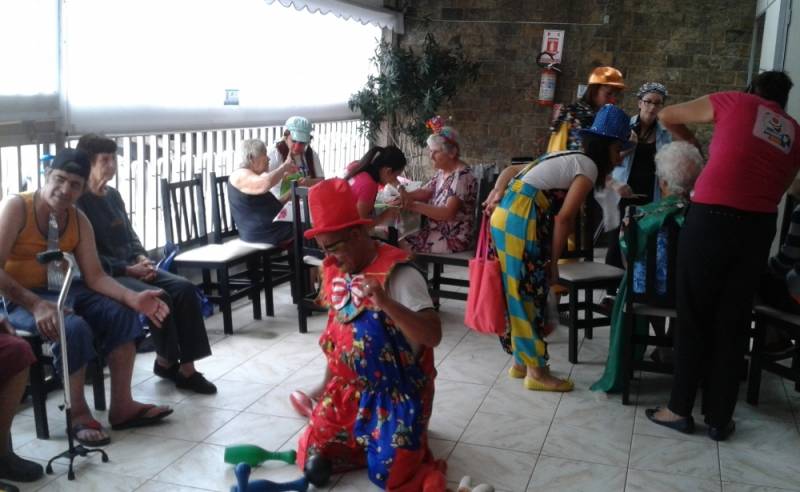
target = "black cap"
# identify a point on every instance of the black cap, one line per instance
(72, 161)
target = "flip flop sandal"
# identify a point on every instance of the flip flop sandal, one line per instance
(302, 403)
(141, 419)
(94, 426)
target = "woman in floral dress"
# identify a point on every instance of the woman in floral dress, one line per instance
(447, 200)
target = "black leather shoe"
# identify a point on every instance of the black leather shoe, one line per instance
(721, 433)
(684, 425)
(197, 383)
(170, 372)
(17, 469)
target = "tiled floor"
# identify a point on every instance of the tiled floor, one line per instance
(484, 423)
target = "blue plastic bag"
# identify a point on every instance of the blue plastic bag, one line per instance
(165, 264)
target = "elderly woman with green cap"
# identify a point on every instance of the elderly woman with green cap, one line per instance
(533, 209)
(635, 181)
(295, 149)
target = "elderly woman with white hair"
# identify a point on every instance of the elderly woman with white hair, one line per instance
(678, 165)
(447, 200)
(253, 207)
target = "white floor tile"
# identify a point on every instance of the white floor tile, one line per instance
(507, 470)
(553, 474)
(675, 457)
(648, 481)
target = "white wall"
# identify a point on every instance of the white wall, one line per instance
(792, 60)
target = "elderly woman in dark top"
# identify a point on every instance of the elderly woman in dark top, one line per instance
(253, 207)
(182, 338)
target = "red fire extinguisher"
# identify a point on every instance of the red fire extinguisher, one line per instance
(547, 84)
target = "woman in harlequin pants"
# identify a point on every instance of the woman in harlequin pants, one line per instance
(533, 209)
(378, 395)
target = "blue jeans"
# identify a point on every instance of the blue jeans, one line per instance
(95, 317)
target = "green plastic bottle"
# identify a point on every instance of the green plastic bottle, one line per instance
(254, 455)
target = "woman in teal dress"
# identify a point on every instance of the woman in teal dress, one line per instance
(677, 166)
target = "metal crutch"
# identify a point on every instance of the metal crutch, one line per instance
(79, 450)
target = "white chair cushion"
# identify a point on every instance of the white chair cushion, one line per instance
(218, 253)
(778, 314)
(648, 310)
(258, 246)
(464, 255)
(588, 271)
(312, 260)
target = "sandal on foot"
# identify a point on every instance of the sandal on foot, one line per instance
(92, 425)
(141, 419)
(302, 403)
(534, 385)
(517, 373)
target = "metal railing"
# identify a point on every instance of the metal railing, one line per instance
(144, 159)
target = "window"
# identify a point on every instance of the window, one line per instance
(28, 47)
(160, 66)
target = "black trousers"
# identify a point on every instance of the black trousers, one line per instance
(182, 336)
(721, 255)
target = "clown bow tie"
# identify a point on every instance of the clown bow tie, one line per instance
(345, 288)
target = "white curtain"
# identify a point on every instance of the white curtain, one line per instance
(159, 66)
(364, 11)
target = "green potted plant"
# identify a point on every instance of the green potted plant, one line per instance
(409, 88)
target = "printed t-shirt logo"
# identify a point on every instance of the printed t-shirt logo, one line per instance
(775, 129)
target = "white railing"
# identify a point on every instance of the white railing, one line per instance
(144, 159)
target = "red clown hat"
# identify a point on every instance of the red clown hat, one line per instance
(333, 207)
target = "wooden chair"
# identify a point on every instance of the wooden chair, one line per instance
(486, 175)
(307, 255)
(584, 276)
(653, 299)
(185, 226)
(43, 380)
(766, 316)
(274, 260)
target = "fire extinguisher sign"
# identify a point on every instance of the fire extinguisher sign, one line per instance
(553, 43)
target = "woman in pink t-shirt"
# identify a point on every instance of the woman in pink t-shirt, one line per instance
(379, 166)
(725, 242)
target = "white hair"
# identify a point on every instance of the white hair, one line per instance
(678, 164)
(250, 150)
(438, 142)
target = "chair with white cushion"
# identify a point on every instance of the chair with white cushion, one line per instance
(183, 205)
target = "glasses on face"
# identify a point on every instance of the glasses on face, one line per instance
(655, 104)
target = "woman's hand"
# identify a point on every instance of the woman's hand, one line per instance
(288, 166)
(406, 201)
(492, 201)
(623, 189)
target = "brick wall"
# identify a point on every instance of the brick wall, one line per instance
(693, 47)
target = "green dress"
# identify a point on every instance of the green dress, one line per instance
(650, 219)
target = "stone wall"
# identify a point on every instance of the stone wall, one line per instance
(694, 47)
